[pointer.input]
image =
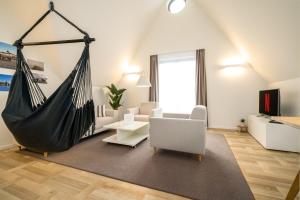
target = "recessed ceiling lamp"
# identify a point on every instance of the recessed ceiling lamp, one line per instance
(175, 6)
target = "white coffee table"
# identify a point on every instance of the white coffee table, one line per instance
(128, 133)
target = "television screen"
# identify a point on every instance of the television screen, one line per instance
(269, 102)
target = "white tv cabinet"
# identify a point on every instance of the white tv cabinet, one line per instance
(274, 136)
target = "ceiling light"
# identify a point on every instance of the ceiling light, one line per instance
(175, 6)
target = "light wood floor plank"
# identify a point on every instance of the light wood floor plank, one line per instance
(268, 173)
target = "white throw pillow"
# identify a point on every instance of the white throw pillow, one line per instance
(100, 111)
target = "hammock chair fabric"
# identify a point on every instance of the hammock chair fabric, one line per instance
(53, 124)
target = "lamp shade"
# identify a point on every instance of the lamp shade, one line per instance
(143, 82)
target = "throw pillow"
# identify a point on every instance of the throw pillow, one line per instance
(101, 111)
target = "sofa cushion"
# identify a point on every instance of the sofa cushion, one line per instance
(96, 110)
(102, 111)
(101, 121)
(199, 112)
(143, 118)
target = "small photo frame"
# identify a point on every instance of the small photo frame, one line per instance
(40, 78)
(128, 118)
(8, 56)
(5, 82)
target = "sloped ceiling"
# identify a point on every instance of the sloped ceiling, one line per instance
(267, 32)
(117, 25)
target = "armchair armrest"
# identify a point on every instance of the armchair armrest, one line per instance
(134, 110)
(176, 115)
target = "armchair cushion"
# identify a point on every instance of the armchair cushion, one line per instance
(147, 107)
(135, 110)
(199, 113)
(176, 115)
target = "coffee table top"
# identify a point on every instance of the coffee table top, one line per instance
(126, 126)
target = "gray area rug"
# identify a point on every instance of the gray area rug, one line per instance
(217, 176)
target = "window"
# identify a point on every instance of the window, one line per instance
(177, 85)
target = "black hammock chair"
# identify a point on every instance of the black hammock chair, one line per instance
(57, 123)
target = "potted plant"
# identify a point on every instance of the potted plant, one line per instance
(115, 97)
(243, 127)
(243, 121)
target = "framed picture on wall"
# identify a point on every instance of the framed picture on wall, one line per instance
(8, 55)
(35, 65)
(5, 81)
(40, 78)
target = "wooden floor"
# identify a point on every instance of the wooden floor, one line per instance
(268, 173)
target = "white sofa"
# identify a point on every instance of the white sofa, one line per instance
(145, 111)
(180, 132)
(110, 115)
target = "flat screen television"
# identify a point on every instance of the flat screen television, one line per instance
(269, 102)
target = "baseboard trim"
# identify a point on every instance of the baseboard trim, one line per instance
(7, 146)
(223, 129)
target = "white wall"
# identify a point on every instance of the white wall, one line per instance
(117, 26)
(265, 31)
(230, 98)
(16, 20)
(289, 95)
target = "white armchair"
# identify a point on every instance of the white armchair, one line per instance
(145, 111)
(180, 132)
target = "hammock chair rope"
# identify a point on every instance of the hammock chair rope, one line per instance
(59, 122)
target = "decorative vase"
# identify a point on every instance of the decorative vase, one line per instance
(116, 115)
